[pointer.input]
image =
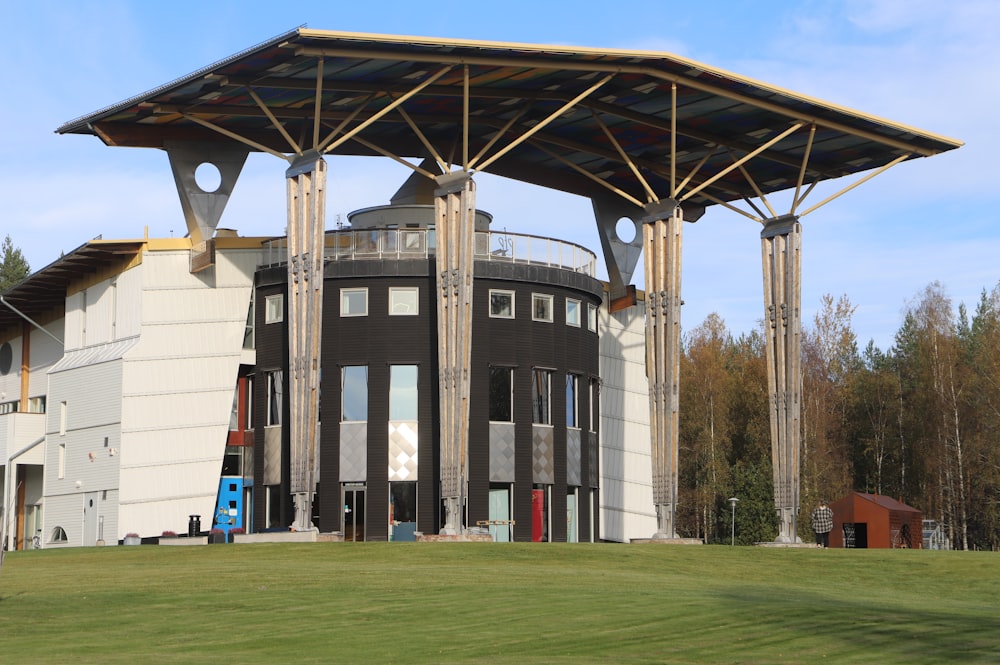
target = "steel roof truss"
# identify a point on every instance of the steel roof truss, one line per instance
(625, 195)
(858, 182)
(296, 148)
(388, 108)
(741, 161)
(541, 125)
(625, 158)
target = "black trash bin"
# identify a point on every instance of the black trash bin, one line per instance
(194, 525)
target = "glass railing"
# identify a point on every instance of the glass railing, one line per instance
(396, 244)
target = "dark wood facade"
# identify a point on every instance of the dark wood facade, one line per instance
(379, 341)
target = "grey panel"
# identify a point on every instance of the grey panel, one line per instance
(353, 452)
(502, 452)
(573, 449)
(542, 464)
(272, 455)
(403, 450)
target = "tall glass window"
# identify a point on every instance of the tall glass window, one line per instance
(354, 393)
(501, 395)
(572, 410)
(592, 317)
(275, 396)
(403, 392)
(541, 393)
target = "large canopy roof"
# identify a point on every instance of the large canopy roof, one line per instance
(642, 125)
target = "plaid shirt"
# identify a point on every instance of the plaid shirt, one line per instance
(822, 519)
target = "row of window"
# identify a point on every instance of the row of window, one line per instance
(405, 301)
(502, 397)
(542, 308)
(403, 395)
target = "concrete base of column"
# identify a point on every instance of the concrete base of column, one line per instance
(787, 527)
(664, 522)
(303, 512)
(452, 517)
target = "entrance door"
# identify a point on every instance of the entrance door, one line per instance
(91, 510)
(354, 512)
(500, 514)
(402, 511)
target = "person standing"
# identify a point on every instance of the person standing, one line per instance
(822, 523)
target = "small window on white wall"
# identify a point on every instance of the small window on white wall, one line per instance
(62, 418)
(62, 460)
(572, 312)
(274, 308)
(354, 302)
(404, 301)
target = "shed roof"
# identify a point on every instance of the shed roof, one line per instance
(645, 124)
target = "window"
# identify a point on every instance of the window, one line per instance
(572, 312)
(572, 410)
(591, 317)
(62, 460)
(275, 396)
(58, 535)
(541, 393)
(62, 418)
(354, 302)
(404, 300)
(274, 308)
(541, 307)
(403, 392)
(501, 304)
(501, 394)
(354, 393)
(248, 331)
(595, 387)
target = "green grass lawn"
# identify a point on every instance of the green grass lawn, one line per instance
(497, 603)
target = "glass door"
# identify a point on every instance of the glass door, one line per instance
(354, 512)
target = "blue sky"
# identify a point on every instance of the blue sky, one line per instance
(925, 63)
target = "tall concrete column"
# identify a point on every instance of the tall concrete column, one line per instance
(455, 208)
(662, 234)
(306, 193)
(781, 246)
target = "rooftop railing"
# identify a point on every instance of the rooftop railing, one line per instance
(396, 244)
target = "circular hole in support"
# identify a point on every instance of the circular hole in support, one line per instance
(207, 177)
(626, 230)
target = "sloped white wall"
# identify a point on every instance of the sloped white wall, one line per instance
(626, 473)
(177, 388)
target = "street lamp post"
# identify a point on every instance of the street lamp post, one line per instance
(732, 502)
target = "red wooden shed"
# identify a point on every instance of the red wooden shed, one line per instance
(871, 520)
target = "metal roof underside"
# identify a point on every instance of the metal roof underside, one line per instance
(45, 291)
(621, 135)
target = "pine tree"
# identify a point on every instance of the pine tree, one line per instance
(13, 266)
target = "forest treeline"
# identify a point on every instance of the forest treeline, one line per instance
(918, 422)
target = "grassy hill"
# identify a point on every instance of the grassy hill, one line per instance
(497, 603)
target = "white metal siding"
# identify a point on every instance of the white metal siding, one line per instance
(626, 472)
(178, 384)
(45, 352)
(73, 339)
(10, 383)
(129, 304)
